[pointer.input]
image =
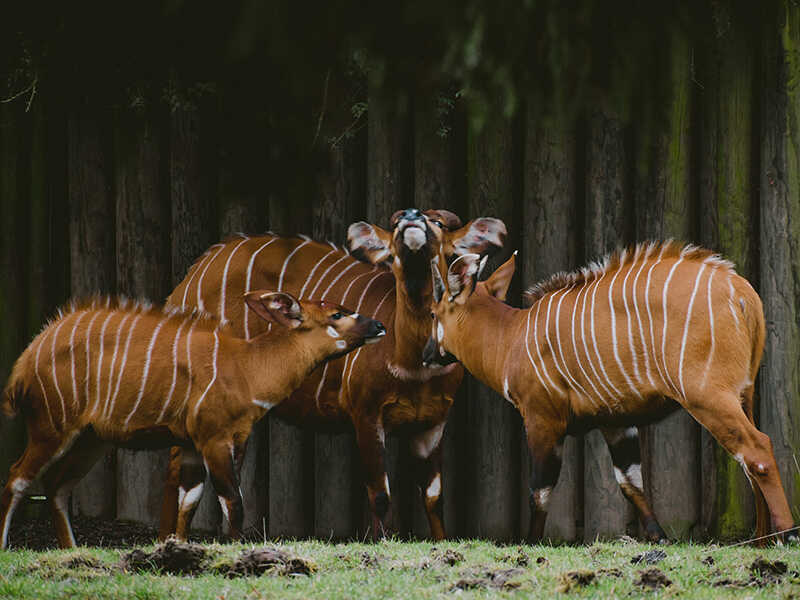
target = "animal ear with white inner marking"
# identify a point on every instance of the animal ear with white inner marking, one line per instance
(480, 236)
(497, 283)
(369, 242)
(276, 307)
(438, 283)
(462, 277)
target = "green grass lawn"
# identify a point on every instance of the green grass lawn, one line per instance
(412, 570)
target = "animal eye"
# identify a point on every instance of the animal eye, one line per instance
(439, 224)
(433, 315)
(336, 316)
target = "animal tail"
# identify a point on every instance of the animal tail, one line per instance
(9, 401)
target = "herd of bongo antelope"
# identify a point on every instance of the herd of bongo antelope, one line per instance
(259, 324)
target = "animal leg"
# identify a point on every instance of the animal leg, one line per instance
(546, 452)
(220, 462)
(61, 477)
(626, 456)
(37, 454)
(726, 421)
(762, 510)
(169, 505)
(369, 437)
(427, 449)
(191, 477)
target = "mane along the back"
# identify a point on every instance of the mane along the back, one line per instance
(621, 258)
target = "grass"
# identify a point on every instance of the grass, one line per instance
(393, 569)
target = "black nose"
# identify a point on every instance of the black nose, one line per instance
(412, 214)
(376, 329)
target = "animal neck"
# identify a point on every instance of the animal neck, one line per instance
(276, 363)
(412, 326)
(483, 337)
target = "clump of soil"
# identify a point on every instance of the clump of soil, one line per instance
(574, 579)
(709, 560)
(653, 578)
(448, 557)
(541, 560)
(499, 579)
(651, 557)
(768, 570)
(173, 556)
(268, 560)
(520, 558)
(370, 560)
(611, 572)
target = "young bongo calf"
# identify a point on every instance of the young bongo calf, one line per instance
(608, 347)
(144, 377)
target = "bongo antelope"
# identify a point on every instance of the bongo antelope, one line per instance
(384, 389)
(617, 345)
(111, 372)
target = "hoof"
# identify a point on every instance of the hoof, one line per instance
(654, 534)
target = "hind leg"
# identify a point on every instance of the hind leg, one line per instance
(37, 454)
(60, 478)
(623, 443)
(727, 422)
(170, 504)
(191, 479)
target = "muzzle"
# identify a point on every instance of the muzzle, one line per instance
(432, 357)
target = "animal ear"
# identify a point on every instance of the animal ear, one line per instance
(438, 283)
(369, 242)
(498, 282)
(462, 276)
(276, 307)
(480, 236)
(450, 220)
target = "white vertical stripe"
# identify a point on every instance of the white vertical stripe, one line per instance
(645, 351)
(247, 285)
(120, 326)
(686, 328)
(174, 370)
(189, 375)
(146, 369)
(89, 358)
(319, 387)
(123, 363)
(345, 270)
(650, 314)
(539, 352)
(196, 270)
(629, 320)
(608, 393)
(213, 374)
(55, 377)
(72, 359)
(581, 291)
(224, 286)
(731, 300)
(614, 344)
(374, 316)
(39, 377)
(286, 264)
(102, 342)
(711, 326)
(314, 270)
(347, 291)
(528, 350)
(617, 393)
(565, 373)
(200, 304)
(666, 320)
(325, 273)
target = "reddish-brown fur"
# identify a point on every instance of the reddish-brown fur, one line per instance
(384, 389)
(110, 372)
(607, 347)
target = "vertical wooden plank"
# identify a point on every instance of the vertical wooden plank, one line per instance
(665, 209)
(338, 490)
(492, 424)
(608, 225)
(779, 380)
(193, 230)
(143, 270)
(550, 244)
(390, 187)
(13, 250)
(440, 182)
(728, 189)
(93, 266)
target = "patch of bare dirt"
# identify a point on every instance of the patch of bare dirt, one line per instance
(610, 572)
(768, 570)
(574, 579)
(173, 556)
(447, 557)
(270, 561)
(489, 579)
(653, 579)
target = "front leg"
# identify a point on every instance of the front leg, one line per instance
(426, 447)
(370, 439)
(220, 458)
(545, 443)
(191, 479)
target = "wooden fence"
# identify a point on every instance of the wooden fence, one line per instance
(96, 199)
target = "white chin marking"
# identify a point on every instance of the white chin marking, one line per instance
(263, 403)
(332, 332)
(414, 238)
(341, 344)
